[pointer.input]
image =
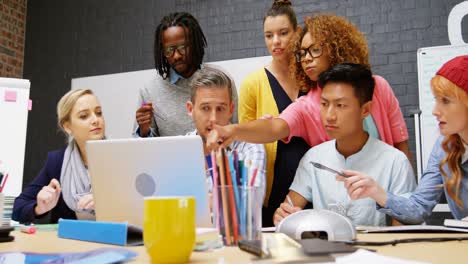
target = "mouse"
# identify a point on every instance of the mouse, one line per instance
(317, 223)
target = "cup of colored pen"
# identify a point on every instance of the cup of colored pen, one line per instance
(238, 212)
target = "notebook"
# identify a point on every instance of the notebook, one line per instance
(123, 171)
(456, 223)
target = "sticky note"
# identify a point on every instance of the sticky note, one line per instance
(10, 96)
(29, 105)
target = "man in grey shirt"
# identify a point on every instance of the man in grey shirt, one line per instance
(179, 47)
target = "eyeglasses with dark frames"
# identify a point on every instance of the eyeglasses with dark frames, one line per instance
(169, 51)
(313, 50)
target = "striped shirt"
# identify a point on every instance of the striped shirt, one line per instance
(169, 97)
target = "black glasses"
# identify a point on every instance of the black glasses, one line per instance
(314, 52)
(169, 51)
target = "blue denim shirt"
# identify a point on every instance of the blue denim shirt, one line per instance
(419, 205)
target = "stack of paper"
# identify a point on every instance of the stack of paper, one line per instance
(206, 234)
(456, 223)
(7, 209)
(102, 255)
(363, 257)
(207, 239)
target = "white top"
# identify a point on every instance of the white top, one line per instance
(386, 164)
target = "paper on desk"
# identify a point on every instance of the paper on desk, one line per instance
(13, 257)
(207, 239)
(363, 257)
(410, 229)
(269, 229)
(101, 256)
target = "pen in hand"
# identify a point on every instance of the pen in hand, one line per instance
(156, 112)
(289, 200)
(323, 167)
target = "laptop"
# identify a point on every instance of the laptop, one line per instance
(123, 171)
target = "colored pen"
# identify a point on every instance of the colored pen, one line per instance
(155, 112)
(3, 183)
(289, 200)
(215, 187)
(28, 229)
(209, 166)
(254, 175)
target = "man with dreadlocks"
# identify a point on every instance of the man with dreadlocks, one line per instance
(179, 47)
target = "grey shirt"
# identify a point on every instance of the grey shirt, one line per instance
(169, 98)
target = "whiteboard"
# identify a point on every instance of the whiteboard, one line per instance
(14, 103)
(429, 61)
(118, 93)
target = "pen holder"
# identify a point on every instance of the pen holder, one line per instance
(238, 212)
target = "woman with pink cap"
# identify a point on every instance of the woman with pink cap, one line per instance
(447, 169)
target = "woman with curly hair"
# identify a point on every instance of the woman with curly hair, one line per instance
(447, 169)
(328, 40)
(325, 41)
(341, 40)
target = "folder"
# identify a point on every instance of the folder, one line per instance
(121, 234)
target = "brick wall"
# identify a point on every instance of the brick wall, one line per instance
(68, 39)
(395, 29)
(12, 28)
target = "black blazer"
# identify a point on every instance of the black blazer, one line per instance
(23, 208)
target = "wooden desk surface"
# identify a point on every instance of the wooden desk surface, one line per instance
(433, 252)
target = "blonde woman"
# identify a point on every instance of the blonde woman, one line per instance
(447, 169)
(63, 186)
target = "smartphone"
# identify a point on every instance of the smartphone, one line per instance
(254, 247)
(272, 245)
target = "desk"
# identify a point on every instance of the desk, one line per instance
(438, 252)
(48, 242)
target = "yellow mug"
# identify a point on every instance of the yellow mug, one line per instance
(169, 228)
